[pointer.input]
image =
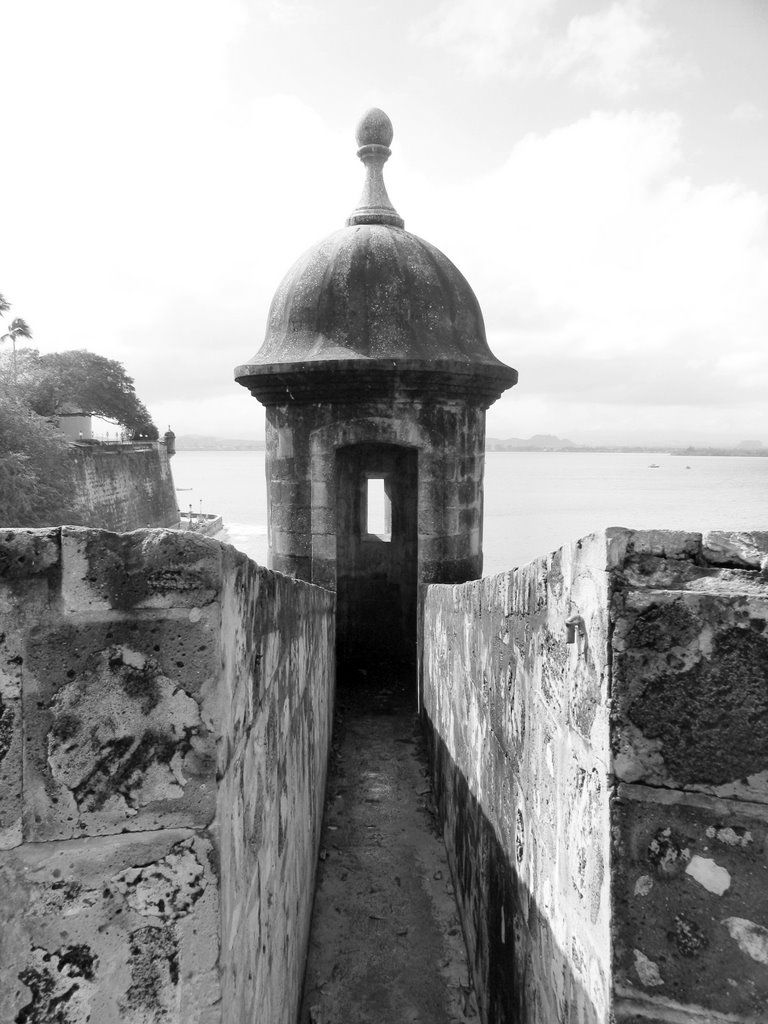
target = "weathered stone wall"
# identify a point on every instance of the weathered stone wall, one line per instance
(605, 802)
(124, 487)
(519, 741)
(164, 732)
(278, 643)
(690, 743)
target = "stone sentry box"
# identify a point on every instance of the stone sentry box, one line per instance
(375, 355)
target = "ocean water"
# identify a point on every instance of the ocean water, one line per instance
(534, 501)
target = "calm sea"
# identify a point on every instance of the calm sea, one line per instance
(534, 501)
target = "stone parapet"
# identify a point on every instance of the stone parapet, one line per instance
(165, 723)
(604, 800)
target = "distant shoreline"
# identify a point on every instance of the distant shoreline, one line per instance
(633, 450)
(255, 446)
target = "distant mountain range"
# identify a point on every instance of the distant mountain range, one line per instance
(551, 443)
(201, 443)
(537, 443)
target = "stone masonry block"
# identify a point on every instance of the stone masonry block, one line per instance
(117, 734)
(290, 518)
(746, 549)
(324, 521)
(286, 470)
(144, 569)
(323, 470)
(690, 881)
(323, 495)
(674, 544)
(435, 520)
(10, 772)
(295, 545)
(690, 691)
(117, 930)
(324, 574)
(616, 547)
(324, 549)
(26, 553)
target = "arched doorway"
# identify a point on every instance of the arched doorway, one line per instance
(376, 552)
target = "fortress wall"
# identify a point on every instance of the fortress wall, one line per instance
(605, 802)
(150, 750)
(125, 487)
(519, 744)
(278, 641)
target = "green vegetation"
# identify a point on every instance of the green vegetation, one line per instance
(81, 381)
(35, 389)
(35, 480)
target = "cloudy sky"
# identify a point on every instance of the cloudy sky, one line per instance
(598, 170)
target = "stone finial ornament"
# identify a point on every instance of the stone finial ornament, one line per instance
(374, 135)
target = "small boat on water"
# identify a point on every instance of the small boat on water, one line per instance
(654, 465)
(205, 523)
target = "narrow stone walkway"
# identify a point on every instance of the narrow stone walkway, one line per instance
(386, 944)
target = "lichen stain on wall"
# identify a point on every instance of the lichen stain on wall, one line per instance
(88, 936)
(122, 736)
(676, 888)
(114, 726)
(145, 569)
(695, 672)
(167, 889)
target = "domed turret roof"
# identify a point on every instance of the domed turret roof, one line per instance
(373, 291)
(372, 299)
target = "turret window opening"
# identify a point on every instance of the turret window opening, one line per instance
(378, 508)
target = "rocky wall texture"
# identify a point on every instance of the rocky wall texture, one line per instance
(690, 758)
(137, 673)
(605, 801)
(124, 487)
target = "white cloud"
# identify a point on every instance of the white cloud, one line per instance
(618, 48)
(291, 12)
(749, 113)
(604, 271)
(482, 32)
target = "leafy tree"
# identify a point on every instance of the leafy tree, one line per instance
(58, 381)
(35, 476)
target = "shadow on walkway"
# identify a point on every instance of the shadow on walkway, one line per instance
(386, 944)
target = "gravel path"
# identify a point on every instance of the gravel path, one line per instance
(386, 944)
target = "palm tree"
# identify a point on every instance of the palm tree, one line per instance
(18, 329)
